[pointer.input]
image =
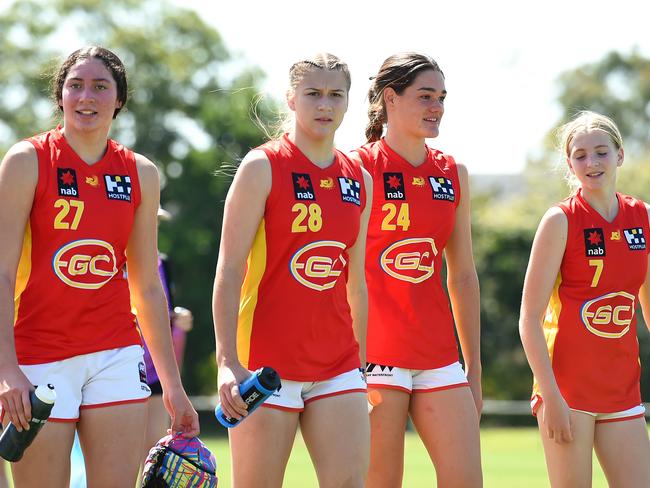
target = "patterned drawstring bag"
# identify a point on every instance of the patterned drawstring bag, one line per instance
(177, 462)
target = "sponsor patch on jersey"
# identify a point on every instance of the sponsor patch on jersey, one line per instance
(635, 238)
(616, 235)
(66, 179)
(92, 180)
(118, 187)
(327, 183)
(594, 242)
(302, 187)
(418, 181)
(394, 186)
(350, 190)
(443, 188)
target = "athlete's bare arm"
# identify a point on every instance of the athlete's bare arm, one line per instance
(357, 291)
(18, 179)
(149, 300)
(463, 286)
(243, 212)
(543, 267)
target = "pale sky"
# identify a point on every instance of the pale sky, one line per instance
(500, 58)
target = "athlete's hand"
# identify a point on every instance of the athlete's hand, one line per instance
(14, 396)
(228, 381)
(556, 418)
(185, 420)
(182, 318)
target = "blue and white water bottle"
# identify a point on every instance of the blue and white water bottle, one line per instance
(254, 390)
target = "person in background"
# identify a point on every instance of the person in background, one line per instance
(290, 291)
(420, 211)
(82, 207)
(588, 267)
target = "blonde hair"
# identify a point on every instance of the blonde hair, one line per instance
(584, 121)
(325, 61)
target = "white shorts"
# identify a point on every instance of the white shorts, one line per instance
(94, 380)
(294, 395)
(631, 413)
(416, 380)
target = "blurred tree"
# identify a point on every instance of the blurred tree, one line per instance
(503, 226)
(189, 111)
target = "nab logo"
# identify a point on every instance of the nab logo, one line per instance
(302, 187)
(443, 188)
(350, 190)
(635, 239)
(394, 186)
(594, 242)
(66, 179)
(118, 187)
(610, 315)
(410, 259)
(87, 264)
(318, 265)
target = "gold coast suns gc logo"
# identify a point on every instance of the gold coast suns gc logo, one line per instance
(318, 265)
(88, 264)
(410, 259)
(610, 315)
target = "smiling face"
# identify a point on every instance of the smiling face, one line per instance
(319, 101)
(89, 96)
(418, 110)
(593, 158)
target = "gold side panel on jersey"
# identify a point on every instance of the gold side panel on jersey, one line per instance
(24, 268)
(255, 267)
(551, 321)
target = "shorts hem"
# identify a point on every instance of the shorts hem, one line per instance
(63, 421)
(112, 404)
(335, 393)
(440, 388)
(384, 386)
(620, 419)
(283, 408)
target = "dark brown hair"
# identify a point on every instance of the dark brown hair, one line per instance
(108, 58)
(397, 72)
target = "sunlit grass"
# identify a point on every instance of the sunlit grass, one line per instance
(512, 458)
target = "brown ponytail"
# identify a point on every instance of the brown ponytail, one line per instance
(398, 72)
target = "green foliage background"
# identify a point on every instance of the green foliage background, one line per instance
(190, 111)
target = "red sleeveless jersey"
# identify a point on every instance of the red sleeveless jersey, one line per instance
(590, 325)
(293, 313)
(410, 324)
(71, 293)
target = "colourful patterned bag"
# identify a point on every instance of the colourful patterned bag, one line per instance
(177, 462)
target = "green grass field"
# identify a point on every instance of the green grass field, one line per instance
(512, 458)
